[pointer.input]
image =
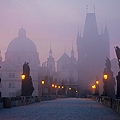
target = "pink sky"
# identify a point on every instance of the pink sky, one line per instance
(56, 21)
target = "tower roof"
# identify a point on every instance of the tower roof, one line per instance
(90, 28)
(21, 43)
(64, 57)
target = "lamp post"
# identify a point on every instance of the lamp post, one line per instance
(93, 88)
(97, 87)
(23, 84)
(53, 86)
(105, 77)
(43, 82)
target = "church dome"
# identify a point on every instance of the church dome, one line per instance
(21, 43)
(22, 49)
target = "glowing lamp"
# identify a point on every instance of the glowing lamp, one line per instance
(23, 76)
(70, 88)
(105, 76)
(97, 82)
(43, 82)
(53, 85)
(93, 86)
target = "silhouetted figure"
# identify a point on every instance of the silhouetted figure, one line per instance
(27, 85)
(109, 83)
(117, 50)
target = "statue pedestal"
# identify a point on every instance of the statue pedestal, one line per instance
(118, 85)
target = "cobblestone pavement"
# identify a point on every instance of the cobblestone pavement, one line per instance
(60, 109)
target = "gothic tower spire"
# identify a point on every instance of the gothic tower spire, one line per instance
(90, 28)
(106, 41)
(50, 51)
(72, 51)
(0, 57)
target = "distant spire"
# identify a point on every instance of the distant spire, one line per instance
(78, 35)
(72, 45)
(106, 31)
(101, 30)
(72, 51)
(94, 8)
(86, 8)
(50, 45)
(50, 51)
(0, 57)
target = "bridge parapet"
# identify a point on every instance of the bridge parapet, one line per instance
(23, 100)
(108, 102)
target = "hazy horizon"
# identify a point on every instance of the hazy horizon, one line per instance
(56, 21)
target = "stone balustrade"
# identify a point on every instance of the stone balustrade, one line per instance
(23, 100)
(108, 102)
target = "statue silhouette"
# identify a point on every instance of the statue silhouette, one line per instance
(109, 84)
(27, 85)
(117, 50)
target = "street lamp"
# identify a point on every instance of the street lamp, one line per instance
(23, 89)
(42, 82)
(93, 86)
(97, 87)
(97, 82)
(53, 85)
(62, 87)
(105, 76)
(70, 88)
(23, 76)
(58, 86)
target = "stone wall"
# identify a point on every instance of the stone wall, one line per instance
(108, 102)
(23, 100)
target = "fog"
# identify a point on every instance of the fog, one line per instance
(56, 21)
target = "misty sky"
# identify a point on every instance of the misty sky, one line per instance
(56, 21)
